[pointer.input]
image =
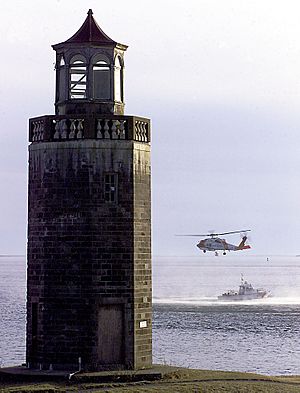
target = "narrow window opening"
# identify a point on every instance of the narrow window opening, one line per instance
(118, 80)
(110, 188)
(62, 90)
(62, 62)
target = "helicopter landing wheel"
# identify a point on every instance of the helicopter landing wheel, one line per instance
(204, 251)
(224, 253)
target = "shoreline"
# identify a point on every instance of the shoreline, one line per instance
(167, 378)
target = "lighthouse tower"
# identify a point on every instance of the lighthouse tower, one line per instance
(89, 217)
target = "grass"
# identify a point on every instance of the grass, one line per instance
(178, 380)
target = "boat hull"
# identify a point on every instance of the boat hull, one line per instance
(238, 297)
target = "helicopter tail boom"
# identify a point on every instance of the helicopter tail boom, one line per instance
(242, 245)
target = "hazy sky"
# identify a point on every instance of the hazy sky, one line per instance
(220, 81)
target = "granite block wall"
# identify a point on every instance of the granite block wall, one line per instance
(89, 259)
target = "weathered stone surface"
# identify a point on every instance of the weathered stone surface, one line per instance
(89, 260)
(89, 216)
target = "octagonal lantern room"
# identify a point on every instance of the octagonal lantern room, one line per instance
(89, 69)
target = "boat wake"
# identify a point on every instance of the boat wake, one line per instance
(210, 301)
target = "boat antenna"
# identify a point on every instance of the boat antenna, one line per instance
(242, 278)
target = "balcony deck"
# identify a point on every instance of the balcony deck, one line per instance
(57, 128)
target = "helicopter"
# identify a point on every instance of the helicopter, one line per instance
(214, 243)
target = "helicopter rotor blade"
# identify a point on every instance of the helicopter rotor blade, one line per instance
(195, 235)
(229, 233)
(217, 234)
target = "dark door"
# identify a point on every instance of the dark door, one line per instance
(110, 334)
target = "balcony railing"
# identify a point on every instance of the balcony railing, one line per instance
(65, 127)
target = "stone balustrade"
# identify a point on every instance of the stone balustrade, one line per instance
(114, 129)
(72, 129)
(66, 127)
(38, 127)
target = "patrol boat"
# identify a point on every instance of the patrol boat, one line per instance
(245, 292)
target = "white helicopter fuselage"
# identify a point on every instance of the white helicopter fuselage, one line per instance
(217, 244)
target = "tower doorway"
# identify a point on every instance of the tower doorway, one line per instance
(111, 334)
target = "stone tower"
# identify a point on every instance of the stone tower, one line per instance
(89, 285)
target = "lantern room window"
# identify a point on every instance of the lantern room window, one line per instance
(78, 77)
(101, 78)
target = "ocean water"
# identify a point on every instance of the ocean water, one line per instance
(12, 310)
(191, 327)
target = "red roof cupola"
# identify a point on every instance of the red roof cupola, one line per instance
(90, 31)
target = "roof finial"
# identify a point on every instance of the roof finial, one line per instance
(90, 32)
